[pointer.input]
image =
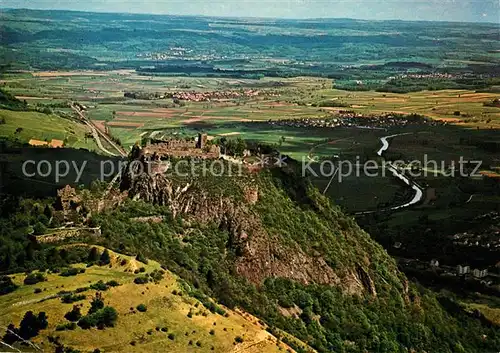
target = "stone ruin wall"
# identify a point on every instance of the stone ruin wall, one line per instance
(182, 148)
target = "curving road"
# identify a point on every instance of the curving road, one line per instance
(98, 140)
(419, 191)
(97, 133)
(385, 143)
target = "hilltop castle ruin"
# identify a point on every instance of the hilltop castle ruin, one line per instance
(175, 147)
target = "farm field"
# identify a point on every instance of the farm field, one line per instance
(165, 325)
(440, 105)
(130, 119)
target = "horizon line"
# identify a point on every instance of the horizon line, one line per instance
(247, 17)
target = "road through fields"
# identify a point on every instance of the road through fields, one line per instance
(96, 133)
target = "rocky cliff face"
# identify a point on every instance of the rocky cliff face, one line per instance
(260, 254)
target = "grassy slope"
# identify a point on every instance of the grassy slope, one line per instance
(491, 313)
(164, 310)
(44, 127)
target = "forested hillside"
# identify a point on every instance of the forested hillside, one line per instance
(268, 243)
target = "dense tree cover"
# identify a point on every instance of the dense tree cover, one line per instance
(74, 315)
(7, 285)
(29, 327)
(144, 95)
(99, 315)
(97, 303)
(67, 272)
(432, 84)
(105, 259)
(328, 318)
(19, 250)
(232, 147)
(203, 255)
(99, 285)
(141, 258)
(105, 317)
(8, 101)
(93, 255)
(72, 298)
(34, 278)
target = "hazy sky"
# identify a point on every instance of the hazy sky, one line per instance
(442, 10)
